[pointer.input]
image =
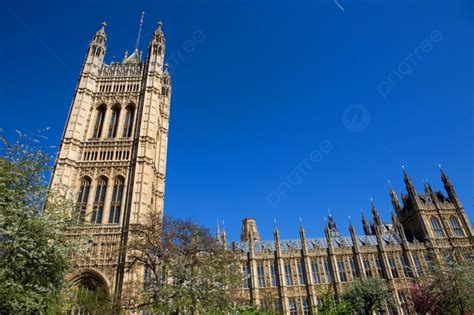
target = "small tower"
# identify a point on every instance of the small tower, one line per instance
(249, 227)
(408, 183)
(365, 224)
(394, 198)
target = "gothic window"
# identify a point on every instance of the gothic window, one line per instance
(315, 272)
(327, 271)
(342, 271)
(82, 198)
(416, 260)
(406, 269)
(147, 279)
(353, 268)
(261, 275)
(300, 273)
(456, 226)
(114, 120)
(246, 272)
(305, 306)
(292, 306)
(378, 264)
(99, 122)
(99, 200)
(437, 229)
(116, 202)
(288, 276)
(368, 271)
(273, 275)
(127, 128)
(393, 267)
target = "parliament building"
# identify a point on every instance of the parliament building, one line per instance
(112, 160)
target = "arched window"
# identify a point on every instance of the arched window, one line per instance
(82, 198)
(437, 229)
(127, 127)
(99, 122)
(116, 203)
(456, 226)
(114, 120)
(99, 200)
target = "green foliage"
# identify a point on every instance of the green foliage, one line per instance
(447, 289)
(368, 294)
(33, 253)
(189, 271)
(329, 306)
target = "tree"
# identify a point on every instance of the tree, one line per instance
(329, 306)
(447, 288)
(33, 253)
(368, 294)
(187, 270)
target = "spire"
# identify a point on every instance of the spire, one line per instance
(302, 231)
(218, 232)
(97, 44)
(375, 213)
(408, 183)
(332, 227)
(276, 231)
(428, 189)
(224, 234)
(137, 43)
(365, 224)
(394, 198)
(449, 187)
(444, 177)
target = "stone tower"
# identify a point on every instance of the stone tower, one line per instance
(112, 157)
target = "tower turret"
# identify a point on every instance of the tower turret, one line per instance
(394, 198)
(156, 48)
(449, 187)
(408, 183)
(375, 214)
(365, 224)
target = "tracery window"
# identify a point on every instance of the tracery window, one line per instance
(327, 271)
(353, 268)
(437, 229)
(114, 120)
(116, 202)
(273, 275)
(288, 275)
(99, 200)
(315, 272)
(456, 226)
(261, 275)
(393, 267)
(292, 306)
(246, 272)
(342, 271)
(128, 125)
(368, 271)
(300, 273)
(82, 198)
(99, 122)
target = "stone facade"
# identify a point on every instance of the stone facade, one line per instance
(112, 157)
(112, 160)
(289, 276)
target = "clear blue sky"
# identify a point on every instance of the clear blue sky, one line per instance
(278, 92)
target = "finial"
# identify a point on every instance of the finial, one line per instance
(160, 24)
(166, 68)
(104, 24)
(349, 218)
(439, 165)
(403, 167)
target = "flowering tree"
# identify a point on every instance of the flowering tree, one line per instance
(34, 256)
(447, 288)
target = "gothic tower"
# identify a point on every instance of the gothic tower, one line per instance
(112, 157)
